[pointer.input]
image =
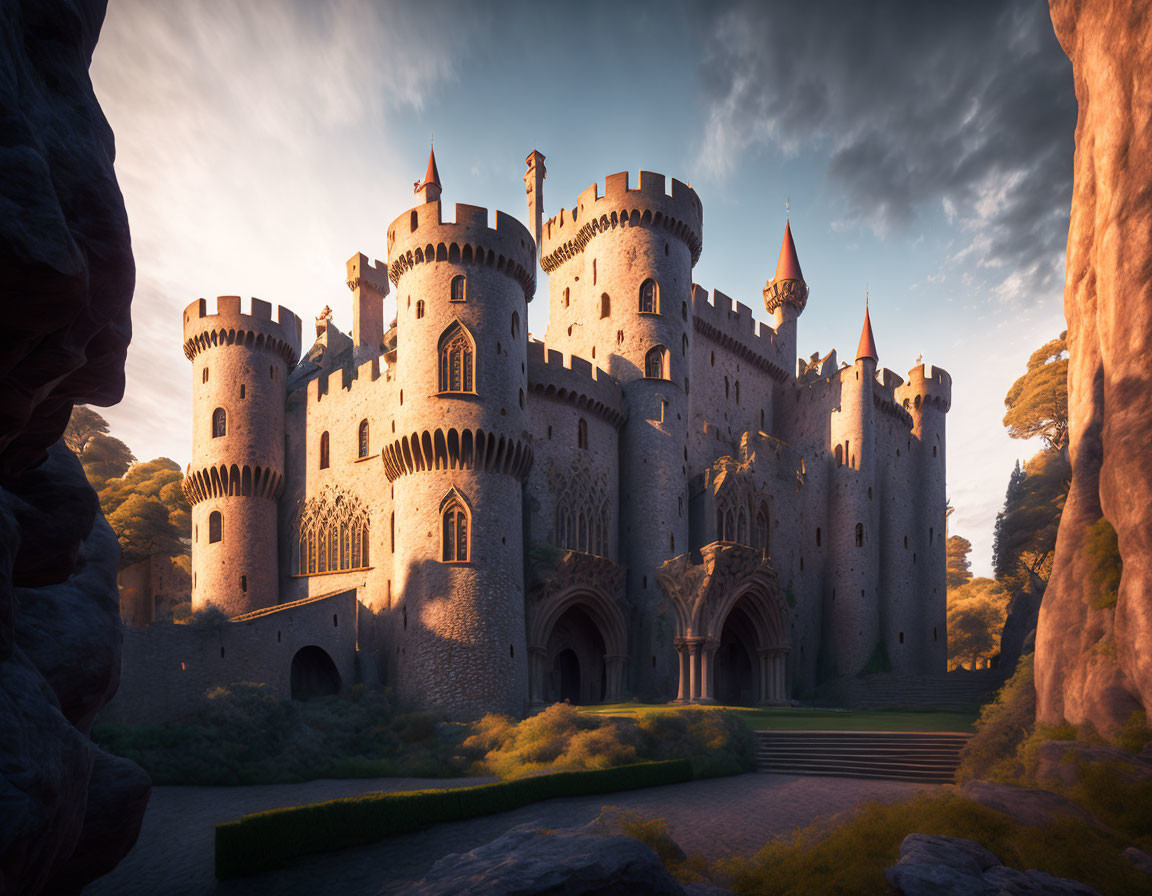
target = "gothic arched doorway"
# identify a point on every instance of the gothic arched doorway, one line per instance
(314, 674)
(576, 659)
(736, 660)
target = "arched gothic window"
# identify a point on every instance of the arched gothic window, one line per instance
(454, 541)
(215, 526)
(219, 423)
(324, 451)
(582, 519)
(649, 297)
(655, 363)
(362, 440)
(457, 360)
(332, 535)
(582, 433)
(458, 288)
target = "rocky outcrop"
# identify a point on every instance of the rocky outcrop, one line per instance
(1094, 661)
(528, 860)
(1024, 805)
(951, 866)
(70, 812)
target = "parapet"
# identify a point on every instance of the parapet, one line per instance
(731, 324)
(362, 272)
(931, 386)
(884, 395)
(347, 379)
(253, 328)
(648, 205)
(421, 235)
(574, 379)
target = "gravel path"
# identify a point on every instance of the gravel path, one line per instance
(716, 817)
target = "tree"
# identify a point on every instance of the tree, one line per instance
(959, 569)
(102, 456)
(1037, 403)
(976, 614)
(144, 527)
(1026, 528)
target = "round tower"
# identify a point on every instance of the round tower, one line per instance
(852, 603)
(620, 268)
(785, 297)
(458, 456)
(927, 396)
(240, 364)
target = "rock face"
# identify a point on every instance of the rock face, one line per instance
(1094, 663)
(70, 812)
(951, 866)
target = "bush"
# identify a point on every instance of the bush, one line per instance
(850, 858)
(561, 737)
(1004, 726)
(268, 840)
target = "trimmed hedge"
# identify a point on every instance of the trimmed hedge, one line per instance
(268, 840)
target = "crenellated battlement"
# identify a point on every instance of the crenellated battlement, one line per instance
(362, 272)
(571, 378)
(679, 212)
(344, 379)
(253, 328)
(931, 386)
(884, 395)
(421, 236)
(731, 324)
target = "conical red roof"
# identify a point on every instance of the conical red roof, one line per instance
(788, 267)
(867, 347)
(431, 176)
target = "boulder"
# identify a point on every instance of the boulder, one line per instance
(613, 820)
(1024, 805)
(66, 279)
(951, 866)
(527, 861)
(1093, 654)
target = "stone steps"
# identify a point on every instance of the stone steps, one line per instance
(931, 757)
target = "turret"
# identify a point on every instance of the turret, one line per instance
(460, 452)
(620, 276)
(927, 396)
(534, 185)
(369, 284)
(240, 367)
(785, 296)
(429, 189)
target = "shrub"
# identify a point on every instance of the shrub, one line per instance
(1004, 726)
(850, 858)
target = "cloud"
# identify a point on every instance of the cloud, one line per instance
(964, 109)
(255, 154)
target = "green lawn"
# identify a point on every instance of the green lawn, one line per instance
(798, 719)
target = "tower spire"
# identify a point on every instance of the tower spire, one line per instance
(429, 189)
(867, 346)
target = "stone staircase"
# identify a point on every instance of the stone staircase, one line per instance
(950, 692)
(930, 757)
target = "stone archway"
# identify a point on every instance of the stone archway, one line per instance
(577, 646)
(314, 674)
(736, 661)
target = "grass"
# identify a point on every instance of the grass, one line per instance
(798, 719)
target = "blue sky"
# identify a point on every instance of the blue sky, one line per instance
(926, 150)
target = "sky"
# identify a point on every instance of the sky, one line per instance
(924, 149)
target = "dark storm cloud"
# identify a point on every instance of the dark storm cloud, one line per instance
(968, 106)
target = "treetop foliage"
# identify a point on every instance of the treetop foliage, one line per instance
(1037, 402)
(959, 568)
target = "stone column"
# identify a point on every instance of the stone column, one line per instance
(764, 656)
(682, 655)
(614, 669)
(707, 678)
(693, 666)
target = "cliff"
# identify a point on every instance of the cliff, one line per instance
(1094, 648)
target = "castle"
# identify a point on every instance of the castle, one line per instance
(656, 502)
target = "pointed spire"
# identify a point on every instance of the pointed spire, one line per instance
(788, 265)
(867, 347)
(429, 188)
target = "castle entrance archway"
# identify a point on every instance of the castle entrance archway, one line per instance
(314, 674)
(736, 661)
(577, 648)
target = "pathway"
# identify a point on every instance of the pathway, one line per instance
(716, 817)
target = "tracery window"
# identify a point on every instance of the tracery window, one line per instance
(457, 360)
(649, 297)
(762, 529)
(655, 363)
(332, 535)
(219, 423)
(454, 539)
(582, 518)
(362, 439)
